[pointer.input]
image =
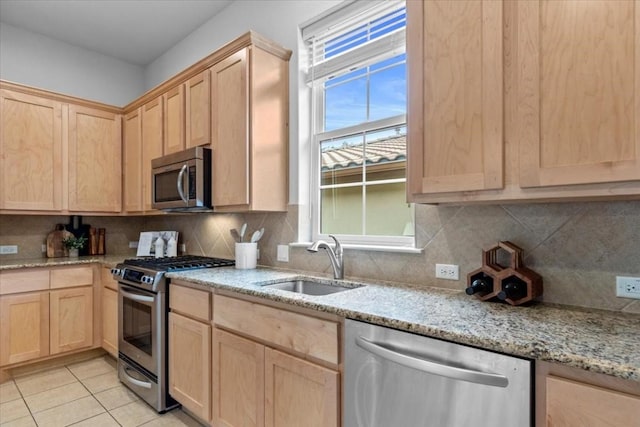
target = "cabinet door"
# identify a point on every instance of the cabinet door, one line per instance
(24, 327)
(30, 152)
(190, 364)
(198, 112)
(174, 120)
(152, 136)
(238, 381)
(95, 162)
(132, 162)
(299, 393)
(578, 92)
(570, 404)
(110, 321)
(71, 320)
(229, 137)
(455, 120)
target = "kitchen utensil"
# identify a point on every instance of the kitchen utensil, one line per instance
(257, 235)
(243, 230)
(235, 235)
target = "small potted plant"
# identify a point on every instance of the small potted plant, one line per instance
(74, 244)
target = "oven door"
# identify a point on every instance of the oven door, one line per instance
(138, 326)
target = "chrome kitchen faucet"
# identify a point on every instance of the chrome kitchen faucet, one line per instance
(335, 256)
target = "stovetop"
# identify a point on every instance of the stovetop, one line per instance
(180, 263)
(148, 273)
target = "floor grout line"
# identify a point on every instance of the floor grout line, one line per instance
(91, 394)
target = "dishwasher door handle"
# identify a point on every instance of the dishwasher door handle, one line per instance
(432, 367)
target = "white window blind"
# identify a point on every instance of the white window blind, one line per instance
(339, 41)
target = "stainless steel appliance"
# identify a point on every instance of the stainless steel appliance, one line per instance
(395, 378)
(143, 293)
(182, 181)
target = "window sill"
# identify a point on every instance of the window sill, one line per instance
(375, 248)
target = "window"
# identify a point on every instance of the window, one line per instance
(357, 73)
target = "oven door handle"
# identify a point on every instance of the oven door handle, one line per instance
(130, 379)
(137, 297)
(179, 183)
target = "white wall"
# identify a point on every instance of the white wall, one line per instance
(35, 60)
(277, 20)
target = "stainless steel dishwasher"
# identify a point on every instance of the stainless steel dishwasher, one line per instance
(399, 379)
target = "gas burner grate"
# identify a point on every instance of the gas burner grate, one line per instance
(186, 262)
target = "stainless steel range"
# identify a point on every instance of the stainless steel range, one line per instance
(142, 323)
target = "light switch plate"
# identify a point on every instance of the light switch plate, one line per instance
(283, 253)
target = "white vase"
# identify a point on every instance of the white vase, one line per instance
(73, 252)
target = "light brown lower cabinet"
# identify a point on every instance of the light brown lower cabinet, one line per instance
(255, 385)
(571, 403)
(110, 321)
(238, 381)
(46, 311)
(70, 319)
(109, 288)
(190, 349)
(299, 393)
(24, 327)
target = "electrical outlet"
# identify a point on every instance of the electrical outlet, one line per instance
(283, 253)
(43, 248)
(628, 287)
(9, 249)
(133, 245)
(447, 271)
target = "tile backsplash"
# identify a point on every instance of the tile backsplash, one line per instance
(578, 248)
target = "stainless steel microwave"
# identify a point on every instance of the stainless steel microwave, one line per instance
(182, 181)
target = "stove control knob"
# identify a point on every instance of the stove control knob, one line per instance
(147, 279)
(117, 272)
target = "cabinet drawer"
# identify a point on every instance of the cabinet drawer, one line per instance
(190, 302)
(12, 282)
(297, 332)
(69, 277)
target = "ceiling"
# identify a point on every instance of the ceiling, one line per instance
(135, 31)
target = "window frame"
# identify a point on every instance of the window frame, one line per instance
(317, 118)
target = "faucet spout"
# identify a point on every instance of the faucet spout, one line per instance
(335, 255)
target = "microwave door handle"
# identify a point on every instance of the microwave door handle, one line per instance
(432, 367)
(179, 184)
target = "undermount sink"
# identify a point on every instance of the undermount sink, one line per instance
(310, 287)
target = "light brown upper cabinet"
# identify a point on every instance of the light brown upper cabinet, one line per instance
(58, 154)
(198, 110)
(30, 152)
(526, 100)
(174, 120)
(152, 137)
(95, 162)
(578, 92)
(249, 130)
(187, 114)
(132, 161)
(455, 103)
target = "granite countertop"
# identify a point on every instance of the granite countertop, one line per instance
(108, 260)
(594, 340)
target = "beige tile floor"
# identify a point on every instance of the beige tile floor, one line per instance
(81, 394)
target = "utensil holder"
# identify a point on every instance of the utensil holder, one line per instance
(246, 255)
